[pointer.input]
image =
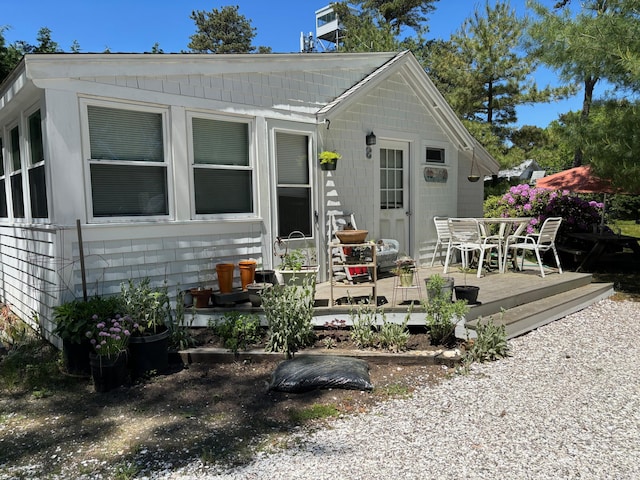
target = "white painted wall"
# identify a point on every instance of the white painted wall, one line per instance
(392, 112)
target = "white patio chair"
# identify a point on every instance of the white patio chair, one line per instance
(535, 242)
(466, 237)
(442, 229)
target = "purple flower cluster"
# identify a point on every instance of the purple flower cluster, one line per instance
(523, 200)
(111, 336)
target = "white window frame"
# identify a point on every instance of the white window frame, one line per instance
(429, 146)
(13, 173)
(28, 165)
(251, 167)
(166, 163)
(309, 185)
(3, 174)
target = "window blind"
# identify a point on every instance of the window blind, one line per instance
(217, 142)
(118, 134)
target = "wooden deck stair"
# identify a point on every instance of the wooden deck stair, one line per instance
(528, 316)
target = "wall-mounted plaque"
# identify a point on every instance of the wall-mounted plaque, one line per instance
(435, 174)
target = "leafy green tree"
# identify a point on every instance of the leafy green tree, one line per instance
(9, 56)
(610, 142)
(602, 41)
(399, 13)
(497, 77)
(45, 43)
(222, 31)
(364, 31)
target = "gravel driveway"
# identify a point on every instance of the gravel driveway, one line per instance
(565, 405)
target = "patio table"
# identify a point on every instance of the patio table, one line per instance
(506, 226)
(600, 242)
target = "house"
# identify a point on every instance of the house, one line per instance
(125, 166)
(524, 172)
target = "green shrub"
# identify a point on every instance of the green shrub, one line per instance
(363, 321)
(238, 331)
(491, 343)
(394, 336)
(180, 337)
(148, 307)
(441, 318)
(289, 312)
(75, 318)
(578, 213)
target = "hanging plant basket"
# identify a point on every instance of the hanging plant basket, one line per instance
(328, 160)
(474, 174)
(328, 166)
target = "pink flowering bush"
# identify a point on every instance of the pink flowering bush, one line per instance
(578, 214)
(110, 337)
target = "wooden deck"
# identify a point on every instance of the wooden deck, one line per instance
(521, 300)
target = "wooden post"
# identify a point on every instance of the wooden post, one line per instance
(82, 270)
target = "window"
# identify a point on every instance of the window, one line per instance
(222, 172)
(435, 155)
(391, 179)
(3, 189)
(37, 184)
(294, 188)
(17, 200)
(127, 165)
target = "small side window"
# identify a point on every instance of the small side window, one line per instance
(434, 155)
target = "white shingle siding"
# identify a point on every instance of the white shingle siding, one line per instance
(394, 109)
(290, 92)
(29, 272)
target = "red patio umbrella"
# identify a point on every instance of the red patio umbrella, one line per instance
(578, 180)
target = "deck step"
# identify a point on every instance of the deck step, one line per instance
(523, 318)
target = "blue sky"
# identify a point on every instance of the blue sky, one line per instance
(136, 25)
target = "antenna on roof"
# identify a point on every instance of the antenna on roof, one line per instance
(307, 44)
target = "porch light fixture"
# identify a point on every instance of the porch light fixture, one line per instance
(371, 139)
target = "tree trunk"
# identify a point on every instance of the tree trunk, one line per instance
(589, 85)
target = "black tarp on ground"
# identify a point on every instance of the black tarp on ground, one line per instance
(305, 373)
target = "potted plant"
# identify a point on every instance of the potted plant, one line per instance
(467, 292)
(295, 268)
(439, 285)
(109, 339)
(73, 320)
(405, 268)
(150, 311)
(329, 159)
(441, 318)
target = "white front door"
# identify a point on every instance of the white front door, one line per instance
(395, 205)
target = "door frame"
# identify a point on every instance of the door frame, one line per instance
(407, 211)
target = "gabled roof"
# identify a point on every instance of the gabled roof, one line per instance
(414, 74)
(344, 78)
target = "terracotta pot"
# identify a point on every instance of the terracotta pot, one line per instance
(225, 276)
(247, 272)
(201, 296)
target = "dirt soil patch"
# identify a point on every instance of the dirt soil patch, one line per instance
(219, 412)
